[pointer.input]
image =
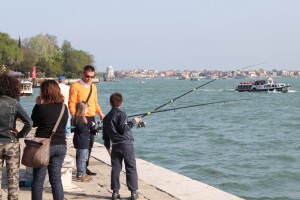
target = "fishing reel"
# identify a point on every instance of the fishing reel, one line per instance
(141, 124)
(99, 128)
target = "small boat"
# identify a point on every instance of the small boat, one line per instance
(26, 88)
(262, 86)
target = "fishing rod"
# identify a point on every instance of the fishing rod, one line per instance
(142, 115)
(190, 106)
(141, 124)
(173, 109)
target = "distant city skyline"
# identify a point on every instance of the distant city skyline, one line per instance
(170, 34)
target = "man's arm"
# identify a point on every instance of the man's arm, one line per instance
(72, 99)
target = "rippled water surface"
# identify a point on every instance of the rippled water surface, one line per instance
(248, 148)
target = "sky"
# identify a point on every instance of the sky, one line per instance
(166, 34)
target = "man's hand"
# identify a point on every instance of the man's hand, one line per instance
(101, 115)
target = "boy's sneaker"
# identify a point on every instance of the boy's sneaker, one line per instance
(115, 195)
(134, 195)
(84, 178)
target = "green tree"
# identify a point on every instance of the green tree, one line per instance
(10, 54)
(47, 52)
(74, 60)
(30, 59)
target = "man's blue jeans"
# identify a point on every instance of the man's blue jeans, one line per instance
(81, 158)
(57, 156)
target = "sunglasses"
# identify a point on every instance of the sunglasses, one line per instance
(89, 76)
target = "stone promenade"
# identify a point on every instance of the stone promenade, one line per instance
(155, 182)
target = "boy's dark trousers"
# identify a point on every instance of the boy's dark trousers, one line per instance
(126, 152)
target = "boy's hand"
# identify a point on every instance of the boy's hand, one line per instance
(109, 151)
(137, 119)
(14, 131)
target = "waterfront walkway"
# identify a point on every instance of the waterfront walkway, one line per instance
(154, 182)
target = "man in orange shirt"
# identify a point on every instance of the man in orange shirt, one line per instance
(84, 90)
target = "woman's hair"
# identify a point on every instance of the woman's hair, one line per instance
(50, 92)
(116, 99)
(10, 86)
(81, 107)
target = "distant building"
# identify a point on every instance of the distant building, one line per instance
(110, 72)
(170, 73)
(252, 74)
(110, 75)
(287, 73)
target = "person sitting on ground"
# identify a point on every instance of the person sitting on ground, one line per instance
(117, 129)
(81, 140)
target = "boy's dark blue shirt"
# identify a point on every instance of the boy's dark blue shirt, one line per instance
(117, 128)
(81, 139)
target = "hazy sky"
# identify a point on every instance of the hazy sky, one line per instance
(166, 34)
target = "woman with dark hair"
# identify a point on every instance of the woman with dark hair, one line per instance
(11, 109)
(44, 115)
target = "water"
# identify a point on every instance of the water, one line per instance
(247, 148)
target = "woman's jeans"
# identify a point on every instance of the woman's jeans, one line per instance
(57, 156)
(81, 159)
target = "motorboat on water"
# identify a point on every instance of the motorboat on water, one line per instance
(26, 88)
(267, 85)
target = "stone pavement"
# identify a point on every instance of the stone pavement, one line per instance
(155, 182)
(98, 188)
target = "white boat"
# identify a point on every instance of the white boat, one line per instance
(262, 86)
(26, 88)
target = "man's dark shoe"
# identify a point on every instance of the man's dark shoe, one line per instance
(88, 172)
(115, 195)
(134, 195)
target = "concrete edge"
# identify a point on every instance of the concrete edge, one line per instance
(172, 183)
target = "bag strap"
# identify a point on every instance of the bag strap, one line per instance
(88, 98)
(59, 119)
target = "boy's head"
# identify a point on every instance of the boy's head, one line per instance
(116, 100)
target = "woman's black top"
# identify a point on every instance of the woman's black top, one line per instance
(44, 117)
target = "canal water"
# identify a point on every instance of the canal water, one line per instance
(249, 148)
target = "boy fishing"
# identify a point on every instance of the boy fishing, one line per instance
(117, 129)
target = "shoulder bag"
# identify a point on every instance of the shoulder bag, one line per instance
(37, 150)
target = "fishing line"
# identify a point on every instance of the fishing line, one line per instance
(171, 101)
(190, 106)
(156, 110)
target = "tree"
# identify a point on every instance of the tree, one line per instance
(46, 50)
(74, 60)
(30, 59)
(10, 54)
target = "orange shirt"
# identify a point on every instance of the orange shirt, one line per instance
(77, 93)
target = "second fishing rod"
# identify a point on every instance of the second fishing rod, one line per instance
(142, 124)
(190, 106)
(177, 108)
